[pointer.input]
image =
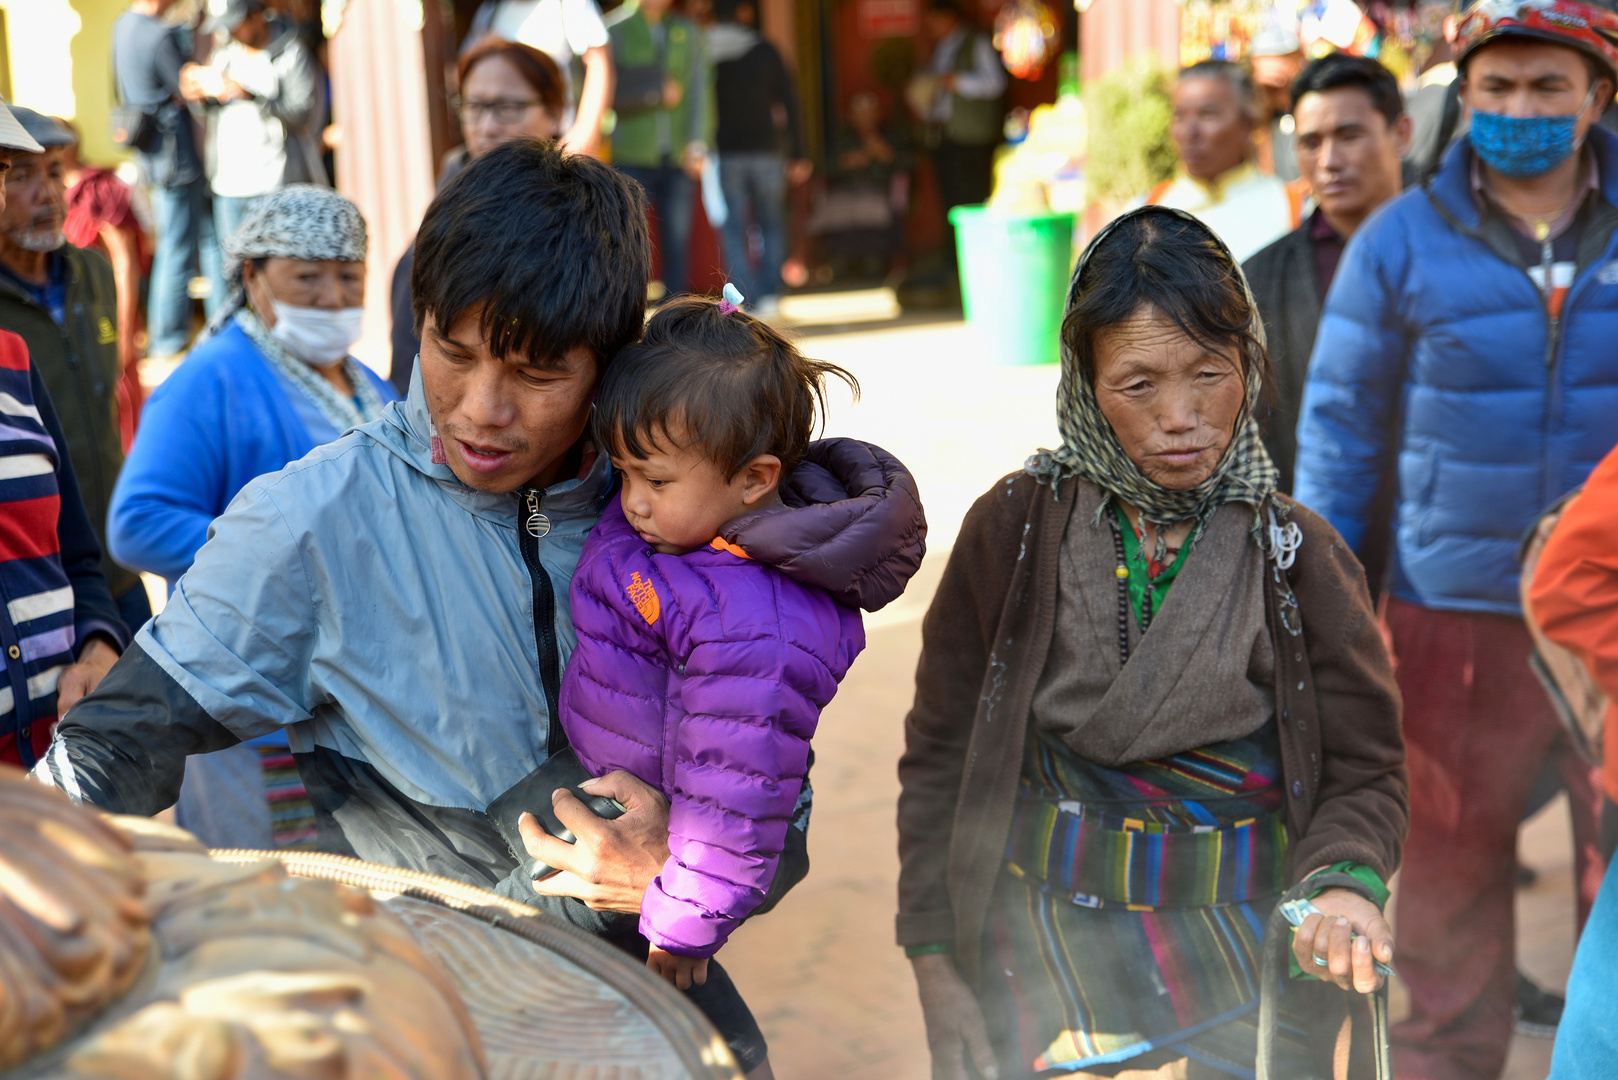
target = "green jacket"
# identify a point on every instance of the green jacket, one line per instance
(647, 132)
(79, 364)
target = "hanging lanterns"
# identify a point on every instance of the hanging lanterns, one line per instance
(1025, 34)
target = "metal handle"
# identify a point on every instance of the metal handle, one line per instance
(1273, 974)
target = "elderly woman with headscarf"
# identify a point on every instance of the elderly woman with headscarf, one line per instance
(1152, 698)
(272, 381)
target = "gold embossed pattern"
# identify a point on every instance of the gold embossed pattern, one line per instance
(73, 925)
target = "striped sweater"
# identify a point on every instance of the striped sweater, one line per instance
(53, 593)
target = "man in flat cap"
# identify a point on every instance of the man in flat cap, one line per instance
(62, 301)
(59, 630)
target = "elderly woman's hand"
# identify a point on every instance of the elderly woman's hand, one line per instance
(1329, 937)
(955, 1029)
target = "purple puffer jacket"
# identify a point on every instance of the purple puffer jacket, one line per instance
(704, 674)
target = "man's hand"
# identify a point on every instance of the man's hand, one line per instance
(955, 1029)
(801, 170)
(1348, 962)
(83, 677)
(692, 160)
(673, 93)
(682, 971)
(581, 139)
(613, 861)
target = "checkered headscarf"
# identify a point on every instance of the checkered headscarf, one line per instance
(1090, 448)
(299, 221)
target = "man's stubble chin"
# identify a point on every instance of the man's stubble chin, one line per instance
(47, 239)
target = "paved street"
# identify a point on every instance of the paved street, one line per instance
(834, 995)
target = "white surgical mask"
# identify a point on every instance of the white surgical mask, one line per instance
(320, 337)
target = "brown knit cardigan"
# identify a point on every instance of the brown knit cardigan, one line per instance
(984, 644)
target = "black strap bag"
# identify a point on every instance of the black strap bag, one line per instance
(133, 126)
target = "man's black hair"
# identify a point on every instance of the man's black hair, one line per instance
(952, 7)
(551, 250)
(1337, 70)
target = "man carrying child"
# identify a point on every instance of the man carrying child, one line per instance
(398, 599)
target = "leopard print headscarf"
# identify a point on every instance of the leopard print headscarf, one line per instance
(299, 221)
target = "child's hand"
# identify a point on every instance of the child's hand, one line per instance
(682, 971)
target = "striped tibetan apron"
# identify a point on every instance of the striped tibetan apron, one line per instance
(292, 815)
(1127, 922)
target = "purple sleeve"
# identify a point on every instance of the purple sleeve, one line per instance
(749, 702)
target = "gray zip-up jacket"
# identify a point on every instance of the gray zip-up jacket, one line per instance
(398, 624)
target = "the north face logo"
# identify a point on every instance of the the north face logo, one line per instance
(644, 597)
(1608, 274)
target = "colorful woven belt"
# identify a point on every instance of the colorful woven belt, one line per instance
(1099, 857)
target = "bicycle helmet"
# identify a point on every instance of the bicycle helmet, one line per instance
(1592, 28)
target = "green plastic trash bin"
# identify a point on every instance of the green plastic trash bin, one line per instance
(1014, 274)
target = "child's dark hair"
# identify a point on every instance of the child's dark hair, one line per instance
(553, 249)
(728, 385)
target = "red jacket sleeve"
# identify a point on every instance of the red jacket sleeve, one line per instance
(1574, 593)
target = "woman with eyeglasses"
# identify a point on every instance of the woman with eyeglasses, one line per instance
(508, 91)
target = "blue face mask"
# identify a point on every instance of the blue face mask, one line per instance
(1523, 147)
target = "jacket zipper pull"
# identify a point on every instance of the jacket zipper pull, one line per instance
(538, 525)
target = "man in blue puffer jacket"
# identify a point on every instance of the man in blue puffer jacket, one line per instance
(1470, 340)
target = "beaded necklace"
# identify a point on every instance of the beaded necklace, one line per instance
(1154, 571)
(1122, 573)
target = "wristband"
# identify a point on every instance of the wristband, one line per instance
(936, 948)
(1361, 873)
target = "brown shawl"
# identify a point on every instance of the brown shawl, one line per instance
(984, 646)
(1204, 675)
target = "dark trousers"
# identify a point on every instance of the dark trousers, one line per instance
(965, 178)
(670, 192)
(1476, 724)
(755, 187)
(185, 242)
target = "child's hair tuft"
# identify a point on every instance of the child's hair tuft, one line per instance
(727, 385)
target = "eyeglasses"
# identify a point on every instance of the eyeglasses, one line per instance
(505, 110)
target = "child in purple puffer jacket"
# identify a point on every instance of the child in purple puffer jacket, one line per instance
(717, 602)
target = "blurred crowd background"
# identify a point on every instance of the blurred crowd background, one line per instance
(841, 130)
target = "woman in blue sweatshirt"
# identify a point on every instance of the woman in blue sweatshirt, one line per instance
(272, 382)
